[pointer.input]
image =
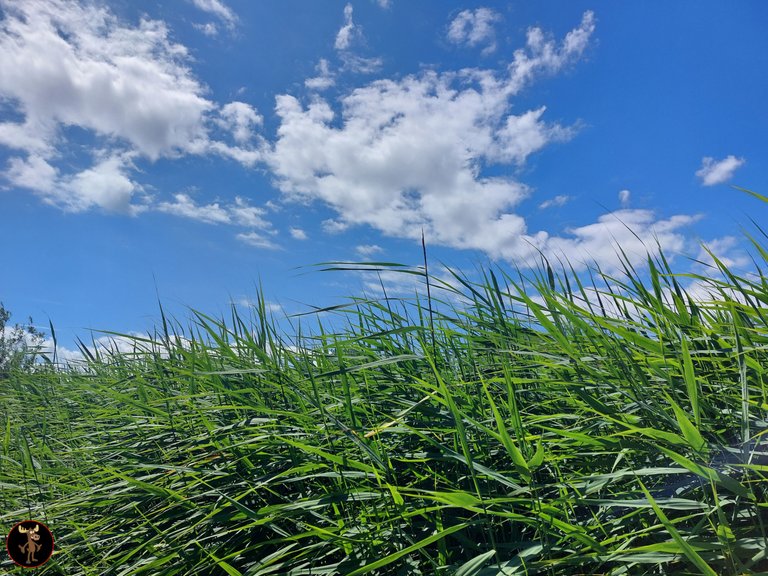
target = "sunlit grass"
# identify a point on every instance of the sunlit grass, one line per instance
(543, 428)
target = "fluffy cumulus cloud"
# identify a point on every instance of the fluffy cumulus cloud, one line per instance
(106, 185)
(127, 83)
(127, 87)
(474, 28)
(637, 232)
(240, 119)
(398, 155)
(718, 171)
(409, 154)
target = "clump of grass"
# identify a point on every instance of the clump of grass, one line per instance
(547, 427)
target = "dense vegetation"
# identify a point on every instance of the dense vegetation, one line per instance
(19, 344)
(499, 427)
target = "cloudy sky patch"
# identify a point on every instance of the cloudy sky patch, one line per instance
(198, 149)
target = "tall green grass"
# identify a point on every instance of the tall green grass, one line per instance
(547, 426)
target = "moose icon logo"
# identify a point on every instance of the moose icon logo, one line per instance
(30, 544)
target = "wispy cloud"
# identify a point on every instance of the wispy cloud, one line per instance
(324, 78)
(218, 9)
(349, 35)
(475, 28)
(298, 234)
(257, 240)
(332, 226)
(368, 249)
(209, 29)
(186, 207)
(348, 31)
(624, 196)
(244, 214)
(240, 213)
(559, 200)
(714, 172)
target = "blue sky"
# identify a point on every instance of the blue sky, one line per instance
(190, 149)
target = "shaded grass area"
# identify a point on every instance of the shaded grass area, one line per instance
(559, 428)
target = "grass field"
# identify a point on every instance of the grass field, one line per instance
(613, 427)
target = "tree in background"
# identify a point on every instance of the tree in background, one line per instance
(19, 345)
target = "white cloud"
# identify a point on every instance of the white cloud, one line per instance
(544, 56)
(127, 87)
(26, 136)
(246, 215)
(186, 207)
(368, 249)
(334, 226)
(406, 154)
(298, 234)
(247, 156)
(258, 240)
(240, 119)
(219, 9)
(709, 294)
(347, 32)
(718, 171)
(384, 3)
(119, 82)
(360, 64)
(134, 343)
(238, 214)
(624, 196)
(209, 29)
(249, 302)
(726, 249)
(32, 172)
(443, 285)
(474, 27)
(324, 78)
(64, 356)
(525, 134)
(395, 283)
(559, 200)
(634, 230)
(105, 185)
